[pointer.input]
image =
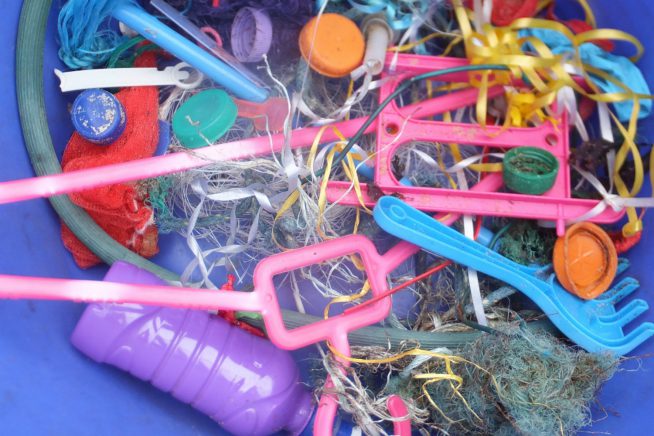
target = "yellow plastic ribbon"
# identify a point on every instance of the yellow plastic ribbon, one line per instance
(547, 74)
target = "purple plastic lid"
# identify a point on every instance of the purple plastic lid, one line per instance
(251, 34)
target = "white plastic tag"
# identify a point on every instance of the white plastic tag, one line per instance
(181, 75)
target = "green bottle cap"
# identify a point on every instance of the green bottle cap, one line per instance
(529, 170)
(204, 118)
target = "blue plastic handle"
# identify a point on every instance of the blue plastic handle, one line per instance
(154, 30)
(595, 325)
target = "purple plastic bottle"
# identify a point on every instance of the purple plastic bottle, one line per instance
(245, 383)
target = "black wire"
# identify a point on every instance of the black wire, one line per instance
(400, 89)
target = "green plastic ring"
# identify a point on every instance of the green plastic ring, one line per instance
(529, 170)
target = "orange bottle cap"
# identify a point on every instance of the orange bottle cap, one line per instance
(332, 45)
(585, 260)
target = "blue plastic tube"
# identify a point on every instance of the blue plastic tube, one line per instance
(154, 30)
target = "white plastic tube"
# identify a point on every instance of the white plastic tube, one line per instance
(378, 35)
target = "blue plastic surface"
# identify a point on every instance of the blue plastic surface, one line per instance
(47, 387)
(594, 325)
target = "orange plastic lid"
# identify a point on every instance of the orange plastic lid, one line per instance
(585, 260)
(335, 44)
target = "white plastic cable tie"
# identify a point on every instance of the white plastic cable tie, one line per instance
(181, 75)
(614, 201)
(566, 100)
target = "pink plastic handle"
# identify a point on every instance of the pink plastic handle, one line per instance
(397, 408)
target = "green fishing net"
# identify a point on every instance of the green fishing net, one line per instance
(526, 243)
(543, 386)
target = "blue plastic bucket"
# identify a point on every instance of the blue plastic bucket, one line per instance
(47, 387)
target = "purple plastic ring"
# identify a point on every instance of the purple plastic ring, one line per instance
(251, 34)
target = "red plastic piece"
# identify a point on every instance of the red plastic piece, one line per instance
(579, 26)
(271, 114)
(624, 243)
(229, 315)
(505, 11)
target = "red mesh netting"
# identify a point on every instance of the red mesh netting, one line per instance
(118, 209)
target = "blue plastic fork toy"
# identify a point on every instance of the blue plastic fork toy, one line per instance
(594, 325)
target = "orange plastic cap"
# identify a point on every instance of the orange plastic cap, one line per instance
(585, 260)
(332, 44)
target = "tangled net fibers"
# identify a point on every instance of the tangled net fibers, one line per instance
(540, 386)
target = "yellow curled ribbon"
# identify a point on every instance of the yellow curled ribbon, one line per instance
(547, 73)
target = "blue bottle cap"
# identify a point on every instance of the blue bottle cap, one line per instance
(98, 116)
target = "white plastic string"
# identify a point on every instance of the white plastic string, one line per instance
(613, 201)
(473, 278)
(566, 100)
(420, 360)
(357, 97)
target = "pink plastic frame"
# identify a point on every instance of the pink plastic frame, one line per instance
(556, 205)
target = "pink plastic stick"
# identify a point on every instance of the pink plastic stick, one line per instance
(75, 181)
(398, 409)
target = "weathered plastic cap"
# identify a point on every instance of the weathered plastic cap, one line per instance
(332, 45)
(585, 260)
(98, 116)
(529, 170)
(204, 118)
(252, 34)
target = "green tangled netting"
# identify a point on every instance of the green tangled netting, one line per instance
(526, 243)
(545, 387)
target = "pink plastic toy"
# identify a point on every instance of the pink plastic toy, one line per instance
(262, 299)
(555, 205)
(397, 408)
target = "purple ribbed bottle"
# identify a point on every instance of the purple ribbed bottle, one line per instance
(245, 383)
